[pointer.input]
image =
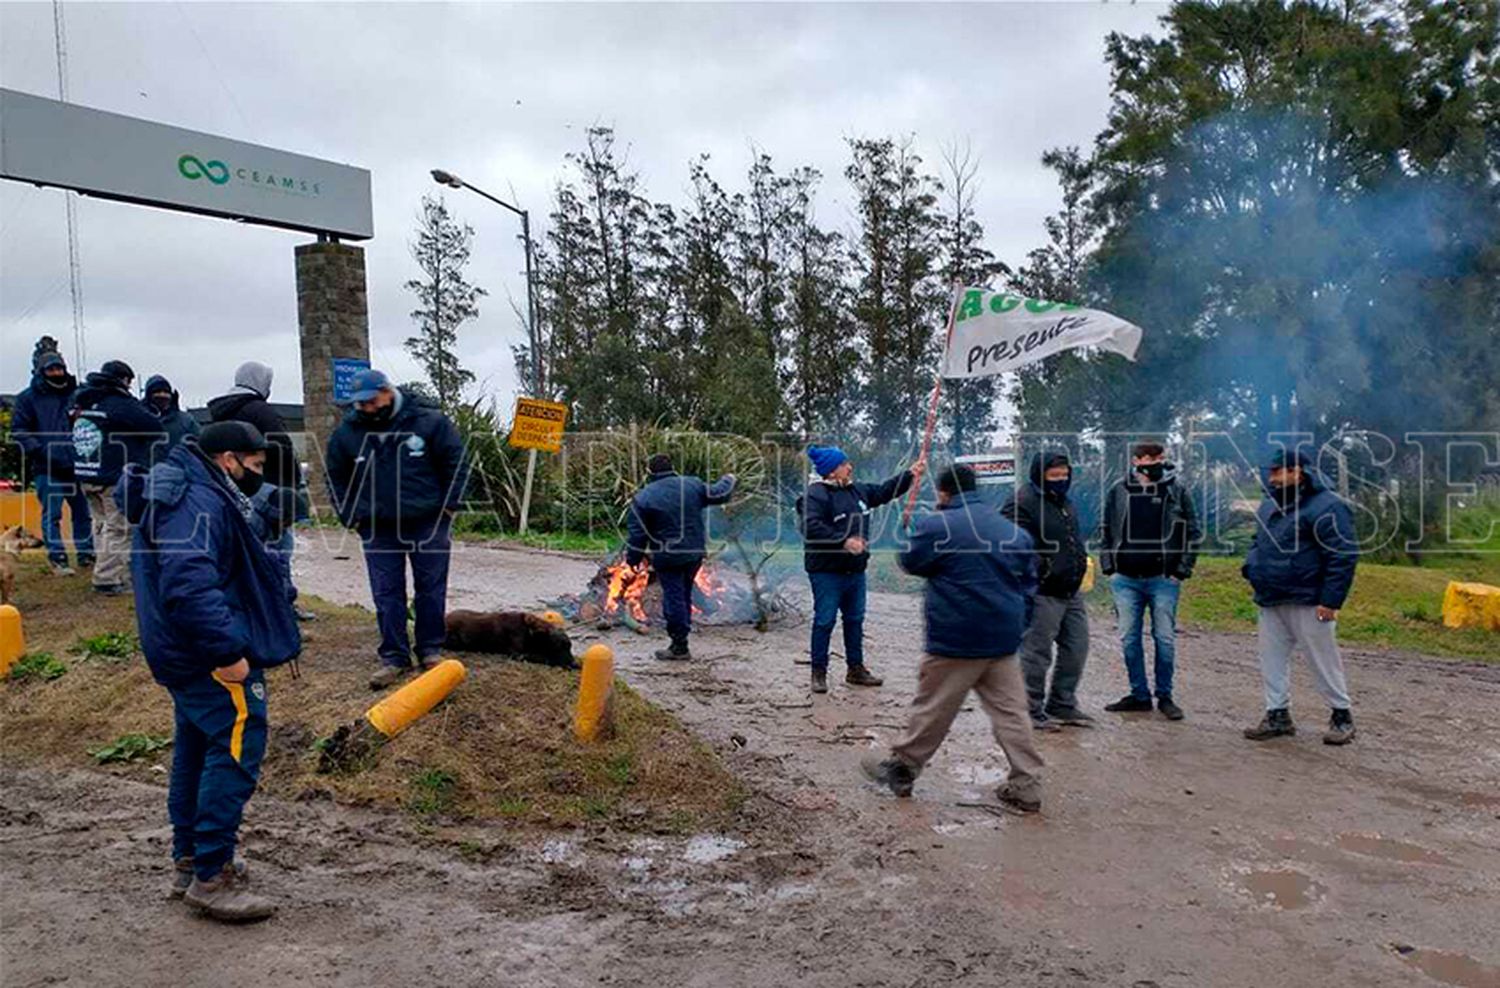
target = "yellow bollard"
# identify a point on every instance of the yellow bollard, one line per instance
(12, 641)
(396, 712)
(555, 619)
(596, 686)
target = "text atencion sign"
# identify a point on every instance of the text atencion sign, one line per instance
(119, 157)
(538, 424)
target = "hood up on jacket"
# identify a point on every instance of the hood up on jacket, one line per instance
(157, 382)
(1046, 460)
(42, 384)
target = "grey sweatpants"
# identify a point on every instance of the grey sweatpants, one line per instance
(1287, 627)
(1064, 621)
(111, 538)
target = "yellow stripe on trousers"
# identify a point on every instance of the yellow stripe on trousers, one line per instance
(241, 714)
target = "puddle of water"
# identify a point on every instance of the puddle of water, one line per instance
(708, 848)
(1460, 970)
(1284, 889)
(1376, 846)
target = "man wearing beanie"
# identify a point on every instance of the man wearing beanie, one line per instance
(1301, 567)
(835, 516)
(666, 521)
(43, 429)
(212, 616)
(249, 401)
(111, 428)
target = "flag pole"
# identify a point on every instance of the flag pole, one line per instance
(932, 405)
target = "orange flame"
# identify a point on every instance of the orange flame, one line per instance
(627, 584)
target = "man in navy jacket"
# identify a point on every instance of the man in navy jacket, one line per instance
(835, 513)
(1301, 566)
(212, 616)
(43, 428)
(666, 521)
(396, 474)
(981, 576)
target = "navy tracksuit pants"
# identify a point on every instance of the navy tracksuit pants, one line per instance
(216, 753)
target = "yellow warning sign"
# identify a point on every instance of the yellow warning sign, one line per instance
(538, 424)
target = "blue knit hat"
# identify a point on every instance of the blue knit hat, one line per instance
(826, 459)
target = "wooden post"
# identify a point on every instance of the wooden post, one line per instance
(932, 405)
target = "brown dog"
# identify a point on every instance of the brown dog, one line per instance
(524, 636)
(12, 541)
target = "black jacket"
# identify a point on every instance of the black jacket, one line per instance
(1179, 523)
(282, 468)
(43, 428)
(1052, 524)
(1304, 553)
(666, 519)
(174, 420)
(832, 513)
(110, 429)
(407, 469)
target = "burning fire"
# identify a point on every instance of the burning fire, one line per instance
(710, 587)
(627, 584)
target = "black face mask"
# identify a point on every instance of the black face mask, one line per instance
(1286, 495)
(249, 481)
(1153, 472)
(1057, 488)
(161, 402)
(378, 416)
(57, 382)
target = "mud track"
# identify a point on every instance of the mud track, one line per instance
(1168, 854)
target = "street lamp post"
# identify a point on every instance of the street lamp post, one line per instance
(453, 181)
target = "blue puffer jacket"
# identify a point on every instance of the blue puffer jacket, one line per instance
(981, 576)
(43, 428)
(110, 429)
(1304, 554)
(206, 592)
(406, 469)
(666, 519)
(833, 513)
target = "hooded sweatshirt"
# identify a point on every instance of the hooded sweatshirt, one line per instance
(1052, 522)
(43, 428)
(110, 429)
(246, 402)
(177, 422)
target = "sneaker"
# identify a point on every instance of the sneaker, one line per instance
(860, 676)
(61, 568)
(1340, 728)
(182, 877)
(1045, 725)
(1168, 709)
(1070, 718)
(820, 680)
(1275, 724)
(891, 772)
(388, 675)
(111, 589)
(1130, 704)
(228, 898)
(1025, 799)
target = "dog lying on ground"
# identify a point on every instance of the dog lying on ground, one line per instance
(524, 636)
(12, 541)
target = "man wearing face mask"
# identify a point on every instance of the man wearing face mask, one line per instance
(212, 618)
(1149, 543)
(41, 426)
(397, 471)
(1042, 508)
(1301, 566)
(163, 402)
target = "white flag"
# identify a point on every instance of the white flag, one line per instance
(995, 332)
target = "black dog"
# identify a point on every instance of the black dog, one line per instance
(524, 636)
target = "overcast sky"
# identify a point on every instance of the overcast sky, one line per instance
(499, 94)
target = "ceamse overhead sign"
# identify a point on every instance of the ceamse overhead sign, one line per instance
(118, 157)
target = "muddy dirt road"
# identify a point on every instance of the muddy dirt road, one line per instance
(1167, 854)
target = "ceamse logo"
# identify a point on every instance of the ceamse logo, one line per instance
(192, 168)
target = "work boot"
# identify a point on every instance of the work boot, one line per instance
(675, 652)
(1275, 724)
(388, 675)
(820, 680)
(1129, 704)
(60, 568)
(1168, 709)
(1340, 728)
(891, 772)
(1070, 718)
(860, 676)
(228, 898)
(1024, 798)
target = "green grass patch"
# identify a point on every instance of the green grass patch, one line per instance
(129, 747)
(112, 646)
(433, 791)
(40, 666)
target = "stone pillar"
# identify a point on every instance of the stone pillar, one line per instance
(334, 321)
